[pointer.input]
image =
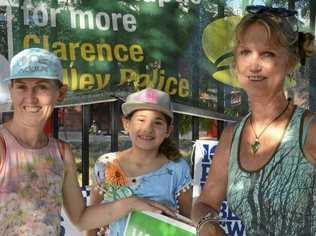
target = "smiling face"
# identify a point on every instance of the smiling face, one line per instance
(34, 99)
(147, 129)
(261, 64)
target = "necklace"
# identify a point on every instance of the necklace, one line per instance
(256, 144)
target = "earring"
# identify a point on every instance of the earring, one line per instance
(125, 132)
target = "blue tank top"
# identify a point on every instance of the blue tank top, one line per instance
(280, 198)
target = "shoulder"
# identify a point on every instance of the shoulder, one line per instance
(180, 168)
(107, 157)
(2, 146)
(310, 144)
(64, 150)
(104, 160)
(179, 163)
(226, 137)
(101, 164)
(181, 174)
(309, 123)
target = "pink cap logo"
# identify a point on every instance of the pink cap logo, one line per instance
(149, 96)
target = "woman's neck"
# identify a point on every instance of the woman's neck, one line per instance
(29, 137)
(267, 109)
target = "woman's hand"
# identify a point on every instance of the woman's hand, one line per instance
(211, 229)
(141, 204)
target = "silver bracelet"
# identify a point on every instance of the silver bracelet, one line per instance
(209, 217)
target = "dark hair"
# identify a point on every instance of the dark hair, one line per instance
(168, 147)
(280, 31)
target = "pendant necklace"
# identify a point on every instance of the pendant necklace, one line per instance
(256, 144)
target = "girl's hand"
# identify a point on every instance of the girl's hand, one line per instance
(141, 204)
(211, 229)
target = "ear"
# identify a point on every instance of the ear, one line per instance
(291, 64)
(125, 122)
(10, 87)
(169, 130)
(62, 93)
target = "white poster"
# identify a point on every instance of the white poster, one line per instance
(203, 155)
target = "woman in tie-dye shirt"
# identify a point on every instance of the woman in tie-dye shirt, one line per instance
(38, 173)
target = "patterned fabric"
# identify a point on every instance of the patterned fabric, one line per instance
(30, 189)
(280, 198)
(162, 185)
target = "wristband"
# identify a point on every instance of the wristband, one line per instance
(209, 217)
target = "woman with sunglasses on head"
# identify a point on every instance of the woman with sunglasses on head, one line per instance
(266, 164)
(38, 173)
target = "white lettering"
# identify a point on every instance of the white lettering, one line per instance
(129, 22)
(53, 13)
(74, 14)
(102, 21)
(40, 16)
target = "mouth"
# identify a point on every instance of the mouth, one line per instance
(32, 109)
(146, 137)
(256, 78)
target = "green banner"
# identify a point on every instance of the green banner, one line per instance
(109, 49)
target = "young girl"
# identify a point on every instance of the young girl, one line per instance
(151, 167)
(37, 172)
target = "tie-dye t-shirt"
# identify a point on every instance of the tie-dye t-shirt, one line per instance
(280, 198)
(30, 188)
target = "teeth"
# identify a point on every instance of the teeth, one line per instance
(32, 109)
(256, 78)
(146, 137)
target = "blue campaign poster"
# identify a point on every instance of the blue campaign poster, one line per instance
(203, 155)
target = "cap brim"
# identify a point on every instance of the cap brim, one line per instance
(128, 108)
(32, 77)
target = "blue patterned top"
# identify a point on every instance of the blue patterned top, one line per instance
(280, 198)
(163, 185)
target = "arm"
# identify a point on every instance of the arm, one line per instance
(310, 144)
(92, 217)
(2, 150)
(185, 203)
(215, 187)
(95, 198)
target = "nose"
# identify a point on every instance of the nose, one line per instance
(148, 126)
(255, 65)
(31, 95)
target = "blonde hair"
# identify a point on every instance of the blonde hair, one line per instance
(299, 45)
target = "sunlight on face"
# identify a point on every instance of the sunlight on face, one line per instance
(261, 66)
(33, 99)
(147, 129)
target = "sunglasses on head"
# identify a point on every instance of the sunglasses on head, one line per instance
(279, 11)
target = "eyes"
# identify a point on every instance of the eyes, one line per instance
(264, 54)
(43, 87)
(156, 122)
